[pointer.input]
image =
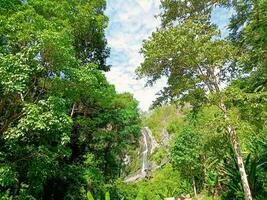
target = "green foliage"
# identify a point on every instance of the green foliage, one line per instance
(165, 182)
(140, 195)
(256, 168)
(90, 196)
(158, 120)
(63, 127)
(159, 154)
(107, 196)
(186, 152)
(179, 10)
(134, 165)
(189, 57)
(210, 72)
(201, 143)
(64, 130)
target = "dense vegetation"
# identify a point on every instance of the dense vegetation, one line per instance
(65, 132)
(199, 151)
(63, 128)
(221, 146)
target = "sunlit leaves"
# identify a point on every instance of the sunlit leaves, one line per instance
(15, 73)
(174, 11)
(51, 92)
(190, 55)
(41, 120)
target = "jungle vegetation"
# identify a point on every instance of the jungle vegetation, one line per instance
(65, 131)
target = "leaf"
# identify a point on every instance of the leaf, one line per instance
(107, 196)
(90, 196)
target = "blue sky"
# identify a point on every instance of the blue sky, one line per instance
(132, 21)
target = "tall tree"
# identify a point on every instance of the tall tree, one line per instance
(63, 128)
(197, 63)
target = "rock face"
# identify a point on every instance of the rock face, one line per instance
(134, 178)
(165, 137)
(151, 140)
(148, 144)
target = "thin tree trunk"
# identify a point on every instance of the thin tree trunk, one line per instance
(233, 137)
(72, 110)
(194, 187)
(240, 162)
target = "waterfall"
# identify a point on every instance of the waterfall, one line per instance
(148, 143)
(153, 142)
(144, 153)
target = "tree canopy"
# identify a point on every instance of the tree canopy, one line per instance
(65, 133)
(63, 128)
(202, 68)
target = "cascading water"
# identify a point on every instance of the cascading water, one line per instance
(144, 154)
(152, 140)
(148, 144)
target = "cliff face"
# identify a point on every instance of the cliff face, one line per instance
(149, 148)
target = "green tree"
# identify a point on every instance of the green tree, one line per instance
(178, 10)
(197, 63)
(63, 128)
(186, 155)
(248, 31)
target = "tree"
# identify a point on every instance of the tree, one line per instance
(197, 63)
(248, 32)
(186, 155)
(63, 128)
(178, 11)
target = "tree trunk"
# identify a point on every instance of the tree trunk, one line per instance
(194, 187)
(241, 167)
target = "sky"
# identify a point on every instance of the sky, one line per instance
(130, 22)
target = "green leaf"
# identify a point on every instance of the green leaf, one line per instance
(90, 196)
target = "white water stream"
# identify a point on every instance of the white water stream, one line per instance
(153, 142)
(144, 154)
(148, 144)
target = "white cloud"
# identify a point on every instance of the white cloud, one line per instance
(131, 21)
